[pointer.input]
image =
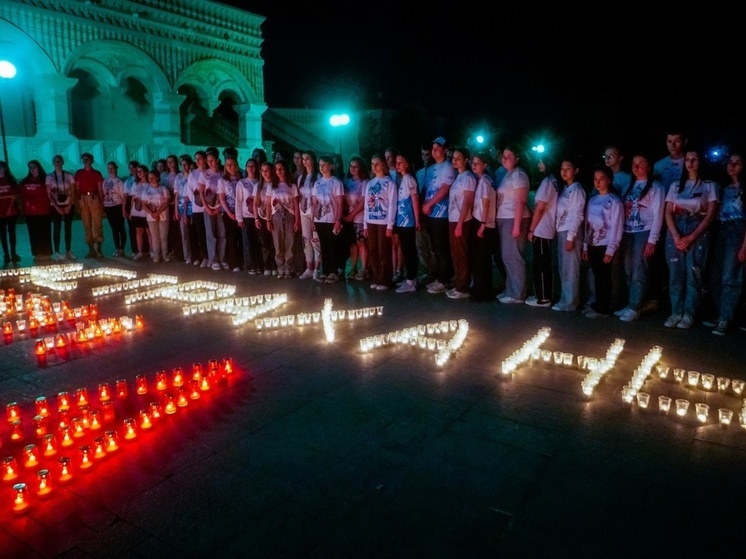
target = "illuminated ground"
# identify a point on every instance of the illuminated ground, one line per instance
(315, 450)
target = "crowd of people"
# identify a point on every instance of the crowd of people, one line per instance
(673, 227)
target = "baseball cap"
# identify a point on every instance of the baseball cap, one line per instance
(440, 140)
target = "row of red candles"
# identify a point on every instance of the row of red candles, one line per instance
(186, 388)
(50, 321)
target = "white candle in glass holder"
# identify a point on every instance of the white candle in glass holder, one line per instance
(662, 371)
(707, 381)
(682, 406)
(643, 398)
(678, 374)
(664, 403)
(546, 355)
(737, 386)
(692, 378)
(723, 383)
(702, 411)
(567, 359)
(725, 416)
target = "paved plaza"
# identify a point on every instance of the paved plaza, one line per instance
(313, 449)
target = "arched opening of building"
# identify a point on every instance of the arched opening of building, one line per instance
(132, 115)
(194, 120)
(86, 104)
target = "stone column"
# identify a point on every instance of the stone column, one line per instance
(250, 124)
(166, 119)
(52, 107)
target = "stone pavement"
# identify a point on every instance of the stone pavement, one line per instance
(313, 449)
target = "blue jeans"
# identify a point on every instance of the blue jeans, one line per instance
(512, 251)
(685, 269)
(215, 237)
(728, 272)
(636, 267)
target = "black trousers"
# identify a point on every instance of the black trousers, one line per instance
(39, 234)
(602, 279)
(116, 222)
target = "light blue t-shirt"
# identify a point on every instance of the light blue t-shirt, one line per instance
(731, 204)
(404, 209)
(437, 175)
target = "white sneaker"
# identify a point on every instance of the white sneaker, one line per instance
(205, 263)
(70, 256)
(332, 278)
(224, 265)
(381, 287)
(197, 262)
(138, 256)
(590, 313)
(621, 312)
(672, 321)
(215, 266)
(436, 287)
(629, 315)
(455, 294)
(306, 275)
(408, 286)
(236, 269)
(508, 300)
(686, 322)
(534, 302)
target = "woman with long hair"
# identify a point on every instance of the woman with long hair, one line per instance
(407, 222)
(182, 210)
(352, 218)
(267, 181)
(36, 207)
(8, 214)
(155, 199)
(541, 235)
(227, 186)
(245, 193)
(284, 220)
(311, 246)
(379, 217)
(61, 190)
(113, 188)
(327, 198)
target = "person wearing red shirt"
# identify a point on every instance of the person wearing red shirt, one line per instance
(8, 213)
(90, 193)
(36, 208)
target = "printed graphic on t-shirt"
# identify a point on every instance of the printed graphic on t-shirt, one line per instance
(632, 219)
(731, 206)
(375, 201)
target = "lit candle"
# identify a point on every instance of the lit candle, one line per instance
(40, 426)
(20, 502)
(642, 399)
(161, 383)
(111, 440)
(139, 323)
(726, 416)
(194, 389)
(94, 424)
(13, 411)
(104, 392)
(177, 378)
(10, 468)
(228, 366)
(121, 388)
(66, 438)
(156, 411)
(42, 408)
(43, 483)
(693, 378)
(737, 386)
(204, 384)
(141, 382)
(81, 397)
(130, 430)
(99, 448)
(702, 411)
(30, 456)
(181, 399)
(86, 458)
(197, 371)
(40, 349)
(16, 430)
(664, 403)
(49, 445)
(65, 469)
(107, 412)
(145, 422)
(61, 341)
(170, 404)
(78, 428)
(63, 401)
(682, 406)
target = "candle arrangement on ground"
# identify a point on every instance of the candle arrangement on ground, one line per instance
(132, 284)
(89, 426)
(531, 348)
(422, 336)
(597, 368)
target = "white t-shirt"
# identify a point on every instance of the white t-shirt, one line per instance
(354, 192)
(136, 193)
(152, 197)
(485, 191)
(465, 182)
(195, 177)
(506, 194)
(210, 179)
(380, 202)
(570, 210)
(694, 198)
(282, 197)
(603, 222)
(646, 213)
(325, 192)
(305, 192)
(547, 193)
(245, 192)
(227, 187)
(60, 187)
(113, 191)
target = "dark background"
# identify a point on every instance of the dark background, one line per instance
(578, 79)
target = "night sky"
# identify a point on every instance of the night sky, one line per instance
(520, 72)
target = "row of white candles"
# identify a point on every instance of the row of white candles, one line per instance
(305, 318)
(152, 279)
(641, 374)
(682, 406)
(707, 380)
(52, 269)
(527, 351)
(416, 336)
(190, 292)
(598, 368)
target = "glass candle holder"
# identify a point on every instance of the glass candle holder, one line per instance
(707, 380)
(13, 411)
(678, 375)
(85, 457)
(170, 407)
(30, 456)
(112, 440)
(78, 429)
(227, 366)
(94, 420)
(737, 386)
(49, 445)
(546, 355)
(557, 357)
(567, 359)
(702, 411)
(121, 388)
(81, 397)
(682, 406)
(104, 392)
(64, 468)
(662, 371)
(63, 401)
(42, 408)
(204, 384)
(141, 384)
(177, 377)
(99, 447)
(43, 483)
(16, 430)
(193, 389)
(692, 378)
(725, 416)
(9, 468)
(197, 371)
(40, 426)
(66, 437)
(182, 399)
(130, 429)
(723, 383)
(643, 398)
(20, 497)
(161, 381)
(145, 421)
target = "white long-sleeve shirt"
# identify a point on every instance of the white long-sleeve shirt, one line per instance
(570, 210)
(604, 219)
(646, 213)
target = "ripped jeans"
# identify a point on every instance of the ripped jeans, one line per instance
(686, 268)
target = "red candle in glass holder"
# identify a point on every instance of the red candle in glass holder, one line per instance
(20, 500)
(145, 422)
(40, 349)
(141, 382)
(61, 341)
(42, 408)
(65, 469)
(228, 366)
(43, 483)
(104, 391)
(161, 381)
(204, 384)
(81, 397)
(177, 378)
(16, 430)
(98, 333)
(181, 398)
(63, 417)
(197, 371)
(10, 468)
(194, 389)
(130, 430)
(30, 456)
(139, 321)
(93, 309)
(99, 448)
(40, 426)
(66, 438)
(170, 404)
(94, 423)
(81, 337)
(116, 326)
(49, 445)
(63, 400)
(212, 365)
(86, 457)
(13, 411)
(78, 428)
(8, 329)
(121, 388)
(85, 416)
(33, 326)
(112, 442)
(156, 411)
(107, 412)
